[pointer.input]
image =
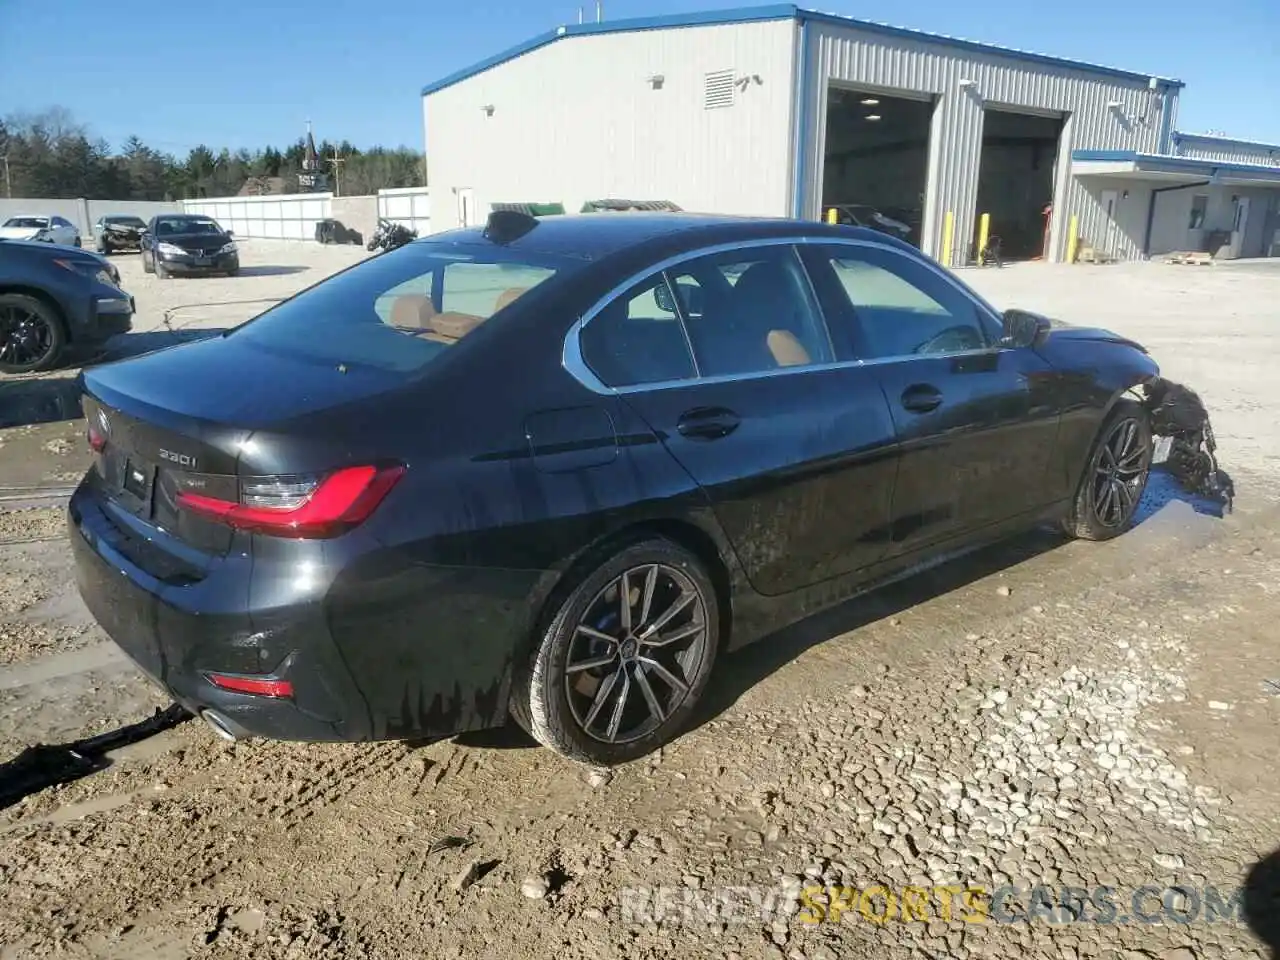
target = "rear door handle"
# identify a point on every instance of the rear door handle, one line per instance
(707, 423)
(921, 398)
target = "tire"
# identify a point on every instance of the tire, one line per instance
(1095, 515)
(148, 265)
(76, 241)
(158, 269)
(234, 273)
(43, 334)
(577, 721)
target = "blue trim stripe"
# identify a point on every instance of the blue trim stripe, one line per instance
(1157, 163)
(779, 11)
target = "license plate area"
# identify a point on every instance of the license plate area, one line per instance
(1161, 452)
(204, 261)
(137, 486)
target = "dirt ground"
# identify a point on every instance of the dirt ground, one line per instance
(1040, 718)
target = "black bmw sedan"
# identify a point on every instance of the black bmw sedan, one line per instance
(553, 469)
(188, 244)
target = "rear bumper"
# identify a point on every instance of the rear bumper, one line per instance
(178, 633)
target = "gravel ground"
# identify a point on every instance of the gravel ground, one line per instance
(1033, 751)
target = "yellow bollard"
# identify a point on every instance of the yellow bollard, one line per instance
(1071, 240)
(948, 229)
(984, 227)
(831, 215)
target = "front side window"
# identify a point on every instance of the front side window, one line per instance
(60, 222)
(750, 311)
(397, 312)
(896, 307)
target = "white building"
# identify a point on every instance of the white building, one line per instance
(779, 111)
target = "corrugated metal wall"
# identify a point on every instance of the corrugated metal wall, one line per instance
(581, 119)
(878, 62)
(1226, 151)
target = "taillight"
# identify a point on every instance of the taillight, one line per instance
(96, 440)
(300, 508)
(257, 686)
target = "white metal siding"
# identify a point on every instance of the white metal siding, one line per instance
(1226, 151)
(280, 217)
(580, 120)
(872, 60)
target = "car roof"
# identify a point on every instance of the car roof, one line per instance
(593, 236)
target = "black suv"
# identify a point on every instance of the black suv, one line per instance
(52, 297)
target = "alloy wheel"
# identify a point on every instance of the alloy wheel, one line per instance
(635, 652)
(1119, 473)
(25, 336)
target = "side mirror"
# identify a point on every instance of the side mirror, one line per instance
(1024, 329)
(662, 297)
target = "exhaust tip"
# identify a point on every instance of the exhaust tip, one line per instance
(218, 725)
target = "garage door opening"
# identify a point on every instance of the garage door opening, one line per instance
(876, 160)
(1015, 179)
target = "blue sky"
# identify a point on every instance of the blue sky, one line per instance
(244, 73)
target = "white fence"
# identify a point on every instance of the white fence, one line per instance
(283, 217)
(293, 216)
(410, 206)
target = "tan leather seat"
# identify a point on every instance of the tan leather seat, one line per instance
(455, 326)
(787, 349)
(508, 297)
(413, 311)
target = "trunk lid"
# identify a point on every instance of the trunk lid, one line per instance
(179, 420)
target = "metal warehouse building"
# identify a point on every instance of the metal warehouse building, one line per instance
(779, 111)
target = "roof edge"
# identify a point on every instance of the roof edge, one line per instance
(778, 11)
(979, 46)
(1189, 164)
(1213, 138)
(708, 18)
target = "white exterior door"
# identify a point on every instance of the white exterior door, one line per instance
(1239, 224)
(1110, 207)
(466, 206)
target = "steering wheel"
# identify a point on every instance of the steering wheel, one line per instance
(950, 340)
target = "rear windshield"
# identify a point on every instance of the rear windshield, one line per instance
(27, 222)
(399, 311)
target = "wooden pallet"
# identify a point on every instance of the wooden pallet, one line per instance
(1191, 258)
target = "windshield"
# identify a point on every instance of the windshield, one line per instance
(124, 221)
(399, 311)
(168, 226)
(28, 223)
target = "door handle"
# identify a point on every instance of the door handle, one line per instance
(921, 398)
(707, 423)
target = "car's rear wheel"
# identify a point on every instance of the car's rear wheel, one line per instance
(31, 334)
(1115, 476)
(624, 662)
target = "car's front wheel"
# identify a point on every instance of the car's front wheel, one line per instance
(31, 334)
(622, 665)
(1115, 476)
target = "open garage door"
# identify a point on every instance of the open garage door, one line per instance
(876, 160)
(1016, 179)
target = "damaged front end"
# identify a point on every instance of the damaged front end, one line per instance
(1186, 445)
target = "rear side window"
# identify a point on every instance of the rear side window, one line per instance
(399, 311)
(638, 338)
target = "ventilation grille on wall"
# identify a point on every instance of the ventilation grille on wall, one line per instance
(717, 89)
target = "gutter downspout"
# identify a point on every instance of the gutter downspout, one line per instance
(804, 112)
(1151, 209)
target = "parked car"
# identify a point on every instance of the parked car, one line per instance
(556, 466)
(47, 229)
(52, 297)
(118, 231)
(188, 244)
(861, 215)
